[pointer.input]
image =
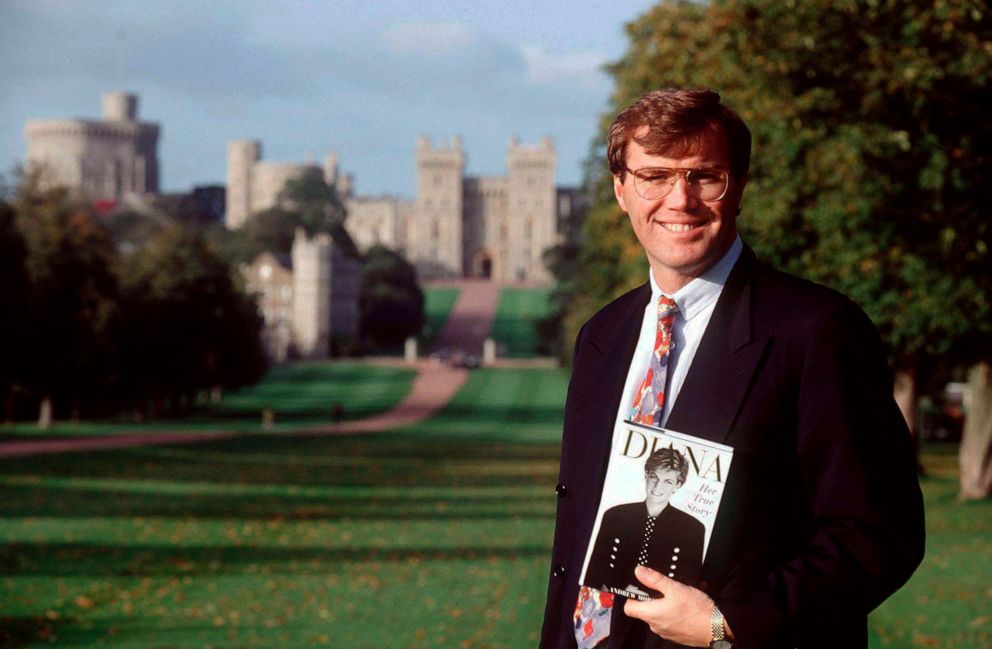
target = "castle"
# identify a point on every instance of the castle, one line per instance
(308, 300)
(493, 227)
(100, 159)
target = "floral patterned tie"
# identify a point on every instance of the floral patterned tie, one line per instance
(593, 607)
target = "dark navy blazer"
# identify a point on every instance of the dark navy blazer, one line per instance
(822, 517)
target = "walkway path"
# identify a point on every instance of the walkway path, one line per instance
(433, 387)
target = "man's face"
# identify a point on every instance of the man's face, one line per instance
(682, 235)
(660, 484)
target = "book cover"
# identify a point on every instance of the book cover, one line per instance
(660, 500)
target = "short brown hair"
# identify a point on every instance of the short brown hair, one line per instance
(677, 118)
(670, 459)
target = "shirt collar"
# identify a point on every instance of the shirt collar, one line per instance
(703, 291)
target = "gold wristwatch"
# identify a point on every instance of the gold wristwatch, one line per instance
(719, 640)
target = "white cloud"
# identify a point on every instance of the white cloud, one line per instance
(429, 38)
(582, 67)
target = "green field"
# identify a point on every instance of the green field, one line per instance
(435, 536)
(516, 317)
(300, 394)
(515, 405)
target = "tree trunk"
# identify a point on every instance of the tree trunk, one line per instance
(45, 413)
(904, 391)
(975, 455)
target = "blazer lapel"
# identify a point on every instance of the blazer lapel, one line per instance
(615, 342)
(721, 371)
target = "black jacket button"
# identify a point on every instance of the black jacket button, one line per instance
(561, 489)
(559, 571)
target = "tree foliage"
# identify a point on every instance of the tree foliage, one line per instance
(870, 152)
(187, 326)
(72, 294)
(14, 287)
(90, 323)
(308, 203)
(392, 304)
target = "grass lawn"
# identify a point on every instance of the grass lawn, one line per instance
(301, 394)
(436, 536)
(948, 602)
(515, 405)
(516, 317)
(438, 302)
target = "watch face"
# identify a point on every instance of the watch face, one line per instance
(721, 644)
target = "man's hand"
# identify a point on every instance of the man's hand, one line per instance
(681, 614)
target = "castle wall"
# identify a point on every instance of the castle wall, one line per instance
(377, 221)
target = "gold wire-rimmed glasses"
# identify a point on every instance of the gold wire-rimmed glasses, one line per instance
(652, 183)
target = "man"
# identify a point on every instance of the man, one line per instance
(822, 515)
(649, 532)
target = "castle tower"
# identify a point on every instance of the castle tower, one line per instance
(119, 107)
(241, 158)
(99, 159)
(435, 244)
(531, 209)
(312, 294)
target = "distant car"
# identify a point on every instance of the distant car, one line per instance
(463, 360)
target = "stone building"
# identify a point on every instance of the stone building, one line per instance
(104, 159)
(494, 227)
(308, 300)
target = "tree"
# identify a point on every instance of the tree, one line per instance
(14, 291)
(871, 154)
(307, 202)
(186, 326)
(392, 304)
(72, 297)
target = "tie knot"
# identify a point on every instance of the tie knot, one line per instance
(666, 306)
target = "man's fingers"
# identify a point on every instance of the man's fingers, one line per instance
(653, 578)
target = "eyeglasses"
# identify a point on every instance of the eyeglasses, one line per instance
(653, 183)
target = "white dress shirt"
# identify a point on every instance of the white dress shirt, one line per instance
(696, 301)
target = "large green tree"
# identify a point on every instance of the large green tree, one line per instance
(871, 152)
(14, 291)
(186, 325)
(392, 303)
(72, 298)
(306, 202)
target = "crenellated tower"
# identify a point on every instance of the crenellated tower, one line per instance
(435, 244)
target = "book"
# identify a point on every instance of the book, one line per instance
(660, 500)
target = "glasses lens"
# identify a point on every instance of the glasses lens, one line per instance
(707, 185)
(655, 183)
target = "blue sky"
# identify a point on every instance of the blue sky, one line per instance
(361, 78)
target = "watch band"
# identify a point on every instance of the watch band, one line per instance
(716, 624)
(719, 640)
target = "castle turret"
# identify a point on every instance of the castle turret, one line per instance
(120, 107)
(241, 158)
(435, 246)
(531, 207)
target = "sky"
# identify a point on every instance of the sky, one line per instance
(363, 79)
